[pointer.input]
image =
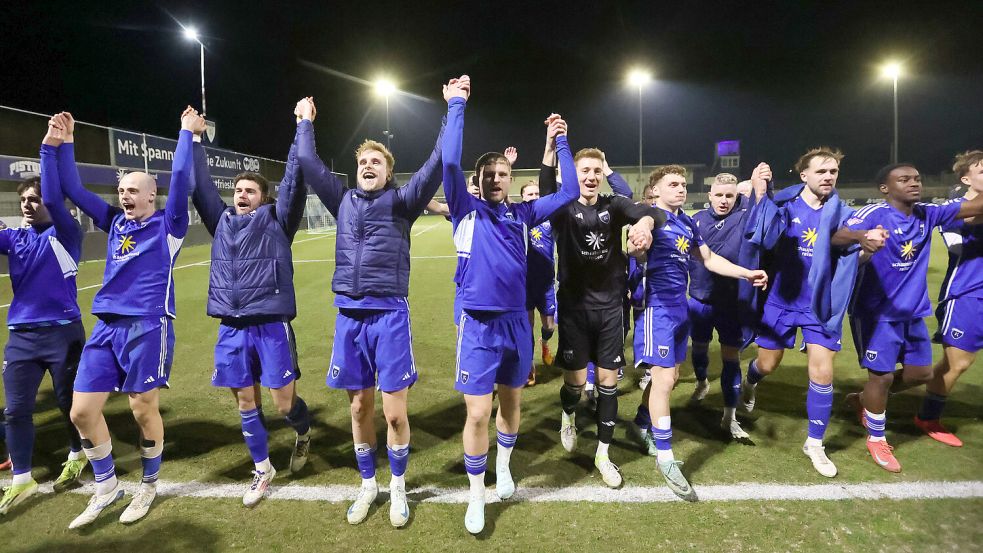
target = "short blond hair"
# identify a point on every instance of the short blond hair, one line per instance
(824, 152)
(966, 160)
(588, 152)
(663, 170)
(379, 147)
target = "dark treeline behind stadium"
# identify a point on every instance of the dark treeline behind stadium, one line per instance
(779, 76)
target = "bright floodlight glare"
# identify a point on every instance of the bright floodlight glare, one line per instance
(191, 33)
(891, 70)
(638, 77)
(384, 87)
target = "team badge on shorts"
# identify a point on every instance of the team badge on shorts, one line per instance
(956, 333)
(464, 377)
(335, 371)
(568, 355)
(663, 351)
(871, 355)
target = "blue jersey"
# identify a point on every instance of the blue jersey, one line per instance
(667, 265)
(540, 254)
(793, 257)
(894, 284)
(43, 260)
(140, 255)
(492, 237)
(723, 235)
(964, 277)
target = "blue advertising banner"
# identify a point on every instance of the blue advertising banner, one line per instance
(153, 153)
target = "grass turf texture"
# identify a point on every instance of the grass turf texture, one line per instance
(203, 443)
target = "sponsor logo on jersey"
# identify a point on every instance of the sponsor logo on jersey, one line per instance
(663, 351)
(908, 250)
(595, 240)
(682, 244)
(126, 244)
(809, 236)
(536, 234)
(870, 355)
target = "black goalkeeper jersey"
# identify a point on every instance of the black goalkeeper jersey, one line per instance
(591, 260)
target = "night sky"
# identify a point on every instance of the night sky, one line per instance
(780, 76)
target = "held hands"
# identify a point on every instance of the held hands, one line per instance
(874, 239)
(61, 129)
(640, 235)
(305, 109)
(511, 154)
(555, 126)
(458, 88)
(760, 178)
(757, 278)
(190, 120)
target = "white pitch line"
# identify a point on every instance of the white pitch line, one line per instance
(314, 238)
(433, 226)
(587, 494)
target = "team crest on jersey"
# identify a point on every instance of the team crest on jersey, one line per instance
(718, 225)
(870, 355)
(908, 250)
(604, 216)
(682, 244)
(809, 236)
(663, 351)
(464, 377)
(335, 371)
(956, 333)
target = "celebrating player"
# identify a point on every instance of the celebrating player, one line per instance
(46, 333)
(892, 297)
(251, 291)
(494, 337)
(132, 345)
(662, 334)
(540, 281)
(713, 299)
(960, 304)
(373, 344)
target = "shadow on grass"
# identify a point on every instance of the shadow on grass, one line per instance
(180, 537)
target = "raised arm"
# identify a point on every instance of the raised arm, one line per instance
(971, 208)
(205, 195)
(425, 182)
(569, 188)
(437, 208)
(67, 228)
(291, 198)
(325, 184)
(102, 213)
(176, 217)
(547, 171)
(618, 184)
(455, 188)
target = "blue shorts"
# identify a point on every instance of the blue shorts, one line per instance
(372, 349)
(881, 345)
(541, 294)
(264, 353)
(705, 317)
(492, 348)
(457, 304)
(961, 323)
(661, 333)
(128, 354)
(778, 326)
(30, 353)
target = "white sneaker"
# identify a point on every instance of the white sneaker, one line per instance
(822, 464)
(747, 395)
(96, 505)
(256, 491)
(399, 508)
(298, 458)
(568, 432)
(700, 392)
(731, 425)
(140, 504)
(644, 381)
(360, 508)
(474, 518)
(609, 471)
(504, 485)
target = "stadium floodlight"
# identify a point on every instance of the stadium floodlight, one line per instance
(892, 70)
(638, 78)
(385, 88)
(191, 34)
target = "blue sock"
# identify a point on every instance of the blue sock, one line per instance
(151, 453)
(819, 405)
(642, 417)
(875, 423)
(932, 407)
(730, 382)
(701, 362)
(103, 467)
(753, 376)
(662, 434)
(475, 464)
(20, 441)
(365, 457)
(546, 333)
(506, 440)
(399, 457)
(299, 417)
(254, 433)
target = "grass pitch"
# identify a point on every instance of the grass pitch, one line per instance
(203, 444)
